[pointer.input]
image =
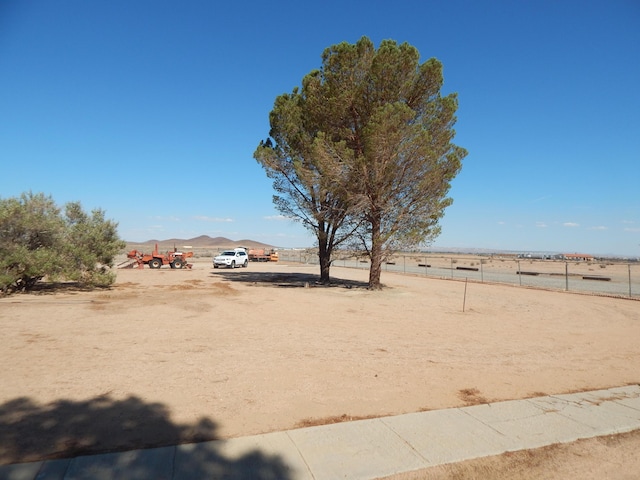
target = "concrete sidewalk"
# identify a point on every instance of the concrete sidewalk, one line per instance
(364, 449)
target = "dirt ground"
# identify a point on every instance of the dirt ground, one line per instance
(170, 356)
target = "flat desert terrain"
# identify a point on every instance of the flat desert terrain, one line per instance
(167, 356)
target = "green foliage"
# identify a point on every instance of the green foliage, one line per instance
(91, 243)
(38, 241)
(30, 233)
(363, 152)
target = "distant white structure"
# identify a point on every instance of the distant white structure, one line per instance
(578, 257)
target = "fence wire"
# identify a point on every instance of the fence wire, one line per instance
(598, 277)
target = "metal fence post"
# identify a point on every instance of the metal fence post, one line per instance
(616, 287)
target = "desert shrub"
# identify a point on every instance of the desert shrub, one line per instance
(89, 247)
(37, 240)
(30, 228)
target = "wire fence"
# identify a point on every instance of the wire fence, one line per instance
(599, 277)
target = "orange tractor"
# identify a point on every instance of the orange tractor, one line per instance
(156, 259)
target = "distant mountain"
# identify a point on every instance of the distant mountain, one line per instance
(203, 241)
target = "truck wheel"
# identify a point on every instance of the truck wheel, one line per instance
(177, 264)
(233, 264)
(245, 264)
(155, 263)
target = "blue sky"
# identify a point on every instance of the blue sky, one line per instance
(151, 110)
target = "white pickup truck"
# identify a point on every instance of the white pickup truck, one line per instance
(232, 258)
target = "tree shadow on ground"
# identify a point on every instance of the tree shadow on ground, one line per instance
(67, 428)
(45, 287)
(284, 279)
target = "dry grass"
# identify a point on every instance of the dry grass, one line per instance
(588, 459)
(472, 396)
(314, 422)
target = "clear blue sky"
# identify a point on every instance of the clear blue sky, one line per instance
(151, 110)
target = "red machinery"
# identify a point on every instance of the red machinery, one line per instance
(156, 259)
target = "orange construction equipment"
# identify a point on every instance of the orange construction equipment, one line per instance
(263, 255)
(156, 259)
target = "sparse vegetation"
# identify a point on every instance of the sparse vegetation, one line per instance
(471, 396)
(40, 240)
(314, 422)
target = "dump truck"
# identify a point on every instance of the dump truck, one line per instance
(156, 259)
(263, 255)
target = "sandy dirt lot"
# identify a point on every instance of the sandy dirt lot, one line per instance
(171, 356)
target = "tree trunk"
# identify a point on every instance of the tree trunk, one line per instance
(325, 265)
(376, 256)
(324, 258)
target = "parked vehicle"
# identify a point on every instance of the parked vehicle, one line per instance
(175, 259)
(232, 258)
(263, 255)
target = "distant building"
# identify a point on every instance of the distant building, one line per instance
(578, 257)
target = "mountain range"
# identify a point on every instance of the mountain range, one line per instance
(203, 241)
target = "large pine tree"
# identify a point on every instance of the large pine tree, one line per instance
(364, 150)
